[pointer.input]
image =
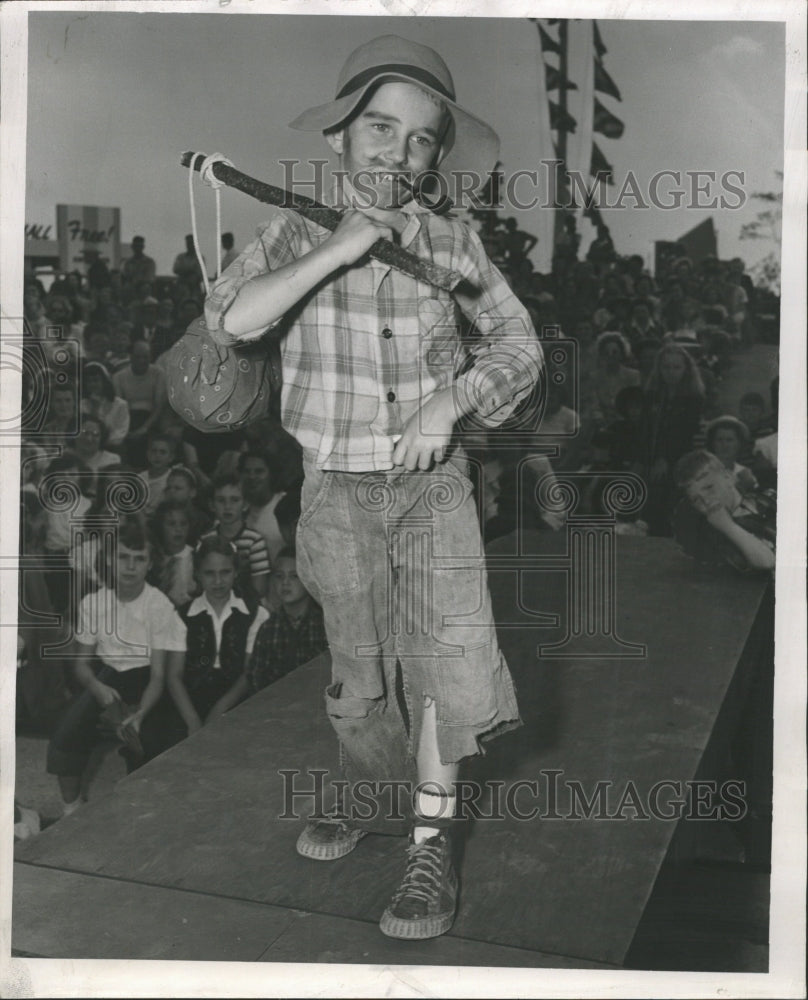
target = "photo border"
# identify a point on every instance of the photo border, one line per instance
(51, 977)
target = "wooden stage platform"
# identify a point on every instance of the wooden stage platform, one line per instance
(188, 858)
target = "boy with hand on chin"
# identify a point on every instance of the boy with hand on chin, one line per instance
(716, 524)
(375, 377)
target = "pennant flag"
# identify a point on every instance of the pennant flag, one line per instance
(605, 122)
(554, 79)
(581, 68)
(605, 84)
(561, 120)
(600, 48)
(548, 44)
(600, 166)
(593, 214)
(544, 220)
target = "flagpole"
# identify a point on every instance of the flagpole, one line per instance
(562, 94)
(561, 149)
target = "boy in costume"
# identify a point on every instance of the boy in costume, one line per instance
(376, 375)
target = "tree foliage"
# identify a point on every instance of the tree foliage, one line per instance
(767, 225)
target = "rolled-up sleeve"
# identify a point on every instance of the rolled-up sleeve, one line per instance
(506, 356)
(270, 250)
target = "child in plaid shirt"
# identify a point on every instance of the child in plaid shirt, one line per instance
(376, 374)
(293, 635)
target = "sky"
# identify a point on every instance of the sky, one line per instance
(114, 98)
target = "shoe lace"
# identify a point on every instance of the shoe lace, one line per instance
(333, 818)
(422, 879)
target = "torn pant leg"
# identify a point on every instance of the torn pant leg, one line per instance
(343, 561)
(374, 748)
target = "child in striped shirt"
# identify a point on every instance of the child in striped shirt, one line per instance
(229, 508)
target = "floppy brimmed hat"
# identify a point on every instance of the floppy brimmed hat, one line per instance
(470, 144)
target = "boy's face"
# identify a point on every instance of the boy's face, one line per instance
(751, 414)
(726, 445)
(178, 488)
(256, 477)
(228, 504)
(89, 440)
(131, 567)
(159, 456)
(63, 404)
(59, 310)
(175, 531)
(399, 131)
(711, 488)
(672, 367)
(94, 383)
(290, 589)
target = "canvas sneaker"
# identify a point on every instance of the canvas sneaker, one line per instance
(424, 904)
(328, 838)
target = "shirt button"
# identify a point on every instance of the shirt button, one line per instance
(387, 333)
(391, 397)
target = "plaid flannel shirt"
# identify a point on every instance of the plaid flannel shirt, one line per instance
(363, 351)
(280, 647)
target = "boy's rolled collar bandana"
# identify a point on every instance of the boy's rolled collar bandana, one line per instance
(470, 145)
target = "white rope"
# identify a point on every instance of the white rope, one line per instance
(206, 173)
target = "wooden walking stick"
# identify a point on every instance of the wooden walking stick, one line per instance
(329, 218)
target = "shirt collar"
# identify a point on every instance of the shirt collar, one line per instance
(343, 194)
(201, 603)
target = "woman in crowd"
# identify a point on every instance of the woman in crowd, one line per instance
(91, 449)
(726, 438)
(173, 565)
(611, 374)
(674, 404)
(143, 386)
(98, 399)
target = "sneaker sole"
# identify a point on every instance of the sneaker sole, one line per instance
(315, 851)
(415, 930)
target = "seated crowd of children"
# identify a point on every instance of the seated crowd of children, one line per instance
(174, 576)
(204, 573)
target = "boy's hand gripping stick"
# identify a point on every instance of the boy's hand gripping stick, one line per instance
(329, 218)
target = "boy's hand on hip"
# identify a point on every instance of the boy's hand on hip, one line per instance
(355, 235)
(427, 433)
